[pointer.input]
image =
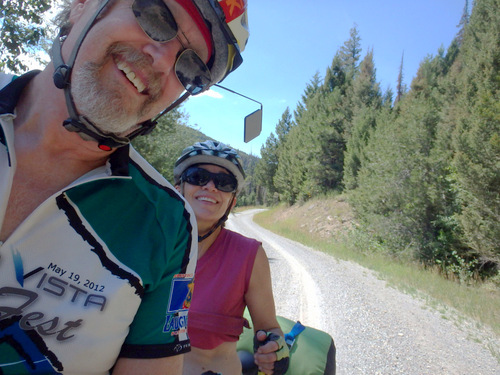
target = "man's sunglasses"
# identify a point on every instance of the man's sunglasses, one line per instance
(159, 24)
(200, 177)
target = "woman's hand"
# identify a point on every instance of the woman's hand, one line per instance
(271, 353)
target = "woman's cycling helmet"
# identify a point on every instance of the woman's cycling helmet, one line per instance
(227, 22)
(210, 152)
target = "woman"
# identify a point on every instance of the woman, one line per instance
(232, 270)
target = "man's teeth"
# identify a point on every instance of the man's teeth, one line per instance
(207, 199)
(131, 76)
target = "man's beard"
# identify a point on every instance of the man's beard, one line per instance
(102, 102)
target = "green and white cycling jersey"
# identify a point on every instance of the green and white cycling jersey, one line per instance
(100, 270)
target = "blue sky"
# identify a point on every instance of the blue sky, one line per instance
(291, 40)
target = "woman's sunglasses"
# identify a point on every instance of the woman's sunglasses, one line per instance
(159, 24)
(200, 177)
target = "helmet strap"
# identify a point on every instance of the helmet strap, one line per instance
(172, 106)
(81, 124)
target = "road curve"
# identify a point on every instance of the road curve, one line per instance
(377, 329)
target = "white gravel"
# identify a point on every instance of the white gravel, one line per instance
(377, 329)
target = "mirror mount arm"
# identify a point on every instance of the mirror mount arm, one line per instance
(253, 122)
(237, 93)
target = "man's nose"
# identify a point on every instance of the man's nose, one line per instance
(163, 55)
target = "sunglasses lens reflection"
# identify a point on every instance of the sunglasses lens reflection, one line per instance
(192, 72)
(200, 177)
(159, 24)
(155, 19)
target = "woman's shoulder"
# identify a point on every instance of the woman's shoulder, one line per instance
(238, 238)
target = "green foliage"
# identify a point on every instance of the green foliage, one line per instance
(267, 165)
(367, 101)
(363, 124)
(423, 173)
(477, 134)
(311, 158)
(21, 30)
(164, 145)
(393, 195)
(321, 130)
(291, 170)
(311, 88)
(350, 53)
(466, 271)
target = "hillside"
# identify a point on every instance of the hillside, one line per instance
(162, 147)
(325, 218)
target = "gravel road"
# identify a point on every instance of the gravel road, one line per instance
(377, 329)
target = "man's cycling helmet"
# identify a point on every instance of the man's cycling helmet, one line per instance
(227, 22)
(210, 152)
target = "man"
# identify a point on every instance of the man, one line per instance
(96, 249)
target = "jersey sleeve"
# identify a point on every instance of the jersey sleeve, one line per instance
(159, 328)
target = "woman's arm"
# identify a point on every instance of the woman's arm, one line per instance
(259, 297)
(260, 302)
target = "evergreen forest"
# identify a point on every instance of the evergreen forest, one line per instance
(420, 166)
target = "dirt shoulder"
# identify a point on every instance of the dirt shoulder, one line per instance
(327, 218)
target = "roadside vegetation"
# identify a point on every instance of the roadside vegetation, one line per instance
(342, 238)
(420, 166)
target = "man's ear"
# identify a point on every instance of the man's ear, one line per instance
(178, 188)
(234, 202)
(78, 8)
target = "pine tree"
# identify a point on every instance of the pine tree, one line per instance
(292, 169)
(464, 21)
(326, 126)
(367, 100)
(268, 164)
(400, 89)
(477, 134)
(350, 52)
(311, 88)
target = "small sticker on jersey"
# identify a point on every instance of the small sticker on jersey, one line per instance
(181, 293)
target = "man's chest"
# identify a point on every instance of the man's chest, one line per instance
(21, 202)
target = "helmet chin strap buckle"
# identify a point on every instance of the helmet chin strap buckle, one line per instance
(62, 76)
(104, 147)
(104, 142)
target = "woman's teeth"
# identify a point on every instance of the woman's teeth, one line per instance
(131, 76)
(207, 199)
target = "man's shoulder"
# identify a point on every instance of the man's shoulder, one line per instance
(11, 88)
(5, 79)
(155, 187)
(145, 173)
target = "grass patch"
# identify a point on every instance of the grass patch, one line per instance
(480, 302)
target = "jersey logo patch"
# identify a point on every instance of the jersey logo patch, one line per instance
(180, 294)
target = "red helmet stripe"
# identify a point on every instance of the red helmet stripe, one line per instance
(198, 19)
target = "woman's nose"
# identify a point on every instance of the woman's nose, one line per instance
(210, 185)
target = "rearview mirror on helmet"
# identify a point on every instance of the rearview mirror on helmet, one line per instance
(253, 125)
(253, 122)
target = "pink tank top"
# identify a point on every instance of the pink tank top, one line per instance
(221, 281)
